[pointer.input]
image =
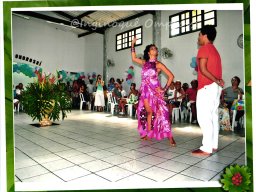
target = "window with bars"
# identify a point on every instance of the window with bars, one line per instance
(190, 21)
(124, 40)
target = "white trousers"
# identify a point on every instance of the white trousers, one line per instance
(207, 103)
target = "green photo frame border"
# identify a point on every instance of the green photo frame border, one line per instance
(7, 5)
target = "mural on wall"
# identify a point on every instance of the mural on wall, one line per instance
(130, 75)
(26, 69)
(25, 73)
(193, 65)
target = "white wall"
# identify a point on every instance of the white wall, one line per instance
(57, 49)
(63, 50)
(229, 27)
(122, 59)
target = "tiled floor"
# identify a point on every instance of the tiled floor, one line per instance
(97, 147)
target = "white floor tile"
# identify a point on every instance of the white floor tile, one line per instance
(152, 160)
(136, 179)
(114, 173)
(79, 159)
(187, 159)
(198, 173)
(101, 154)
(117, 159)
(166, 154)
(157, 174)
(135, 166)
(173, 166)
(180, 177)
(47, 178)
(32, 171)
(24, 163)
(71, 173)
(69, 153)
(133, 154)
(46, 158)
(57, 165)
(220, 159)
(91, 180)
(211, 165)
(148, 149)
(88, 149)
(96, 165)
(118, 149)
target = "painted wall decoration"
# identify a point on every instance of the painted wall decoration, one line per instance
(130, 75)
(26, 69)
(193, 65)
(29, 71)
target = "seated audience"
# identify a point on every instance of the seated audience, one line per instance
(132, 99)
(111, 84)
(191, 97)
(179, 94)
(230, 96)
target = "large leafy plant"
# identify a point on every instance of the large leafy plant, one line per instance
(46, 94)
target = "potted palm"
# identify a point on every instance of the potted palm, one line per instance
(45, 99)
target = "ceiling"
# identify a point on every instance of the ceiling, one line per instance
(82, 23)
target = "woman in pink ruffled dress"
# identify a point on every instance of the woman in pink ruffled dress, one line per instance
(153, 114)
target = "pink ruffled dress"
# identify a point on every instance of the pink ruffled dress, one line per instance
(160, 124)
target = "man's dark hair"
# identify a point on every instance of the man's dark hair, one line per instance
(210, 31)
(237, 78)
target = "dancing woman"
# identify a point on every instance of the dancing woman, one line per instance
(153, 115)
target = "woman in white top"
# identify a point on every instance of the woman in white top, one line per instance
(179, 94)
(170, 96)
(99, 96)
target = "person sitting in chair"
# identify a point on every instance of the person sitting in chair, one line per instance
(230, 95)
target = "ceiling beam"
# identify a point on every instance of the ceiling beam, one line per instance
(119, 21)
(130, 18)
(84, 14)
(78, 24)
(63, 14)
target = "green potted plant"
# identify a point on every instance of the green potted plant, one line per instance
(45, 99)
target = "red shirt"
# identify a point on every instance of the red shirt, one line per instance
(191, 94)
(213, 65)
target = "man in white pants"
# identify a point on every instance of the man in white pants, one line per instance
(210, 84)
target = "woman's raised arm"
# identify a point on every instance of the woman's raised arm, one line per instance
(134, 58)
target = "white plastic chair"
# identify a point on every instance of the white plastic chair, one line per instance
(176, 113)
(113, 103)
(109, 100)
(190, 111)
(16, 108)
(82, 101)
(130, 109)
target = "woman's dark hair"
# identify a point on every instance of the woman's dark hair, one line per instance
(185, 86)
(112, 80)
(210, 31)
(133, 84)
(119, 81)
(98, 77)
(237, 79)
(146, 56)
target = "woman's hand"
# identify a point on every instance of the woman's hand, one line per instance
(159, 90)
(134, 41)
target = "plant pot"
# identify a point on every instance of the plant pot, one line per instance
(46, 121)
